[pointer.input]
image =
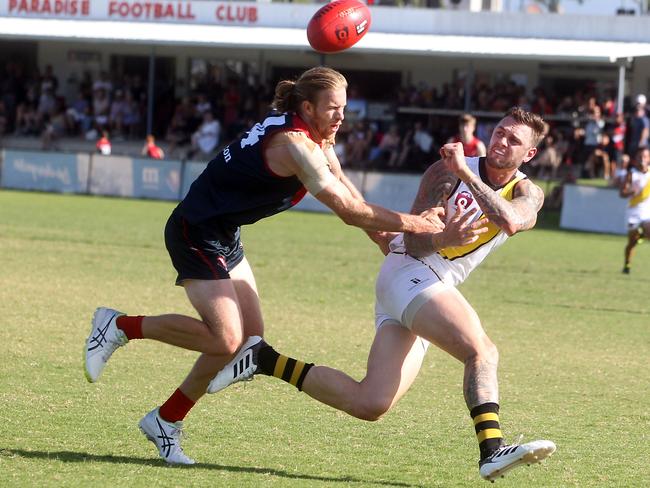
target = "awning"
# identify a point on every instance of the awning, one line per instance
(296, 39)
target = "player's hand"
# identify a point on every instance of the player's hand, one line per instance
(454, 158)
(460, 231)
(435, 215)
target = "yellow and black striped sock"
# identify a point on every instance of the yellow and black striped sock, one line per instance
(486, 425)
(285, 368)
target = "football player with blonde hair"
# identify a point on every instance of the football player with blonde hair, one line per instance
(264, 172)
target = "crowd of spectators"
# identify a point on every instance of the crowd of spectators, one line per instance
(586, 138)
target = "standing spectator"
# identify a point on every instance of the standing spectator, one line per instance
(206, 139)
(118, 112)
(132, 116)
(472, 145)
(639, 126)
(49, 81)
(231, 104)
(593, 131)
(4, 118)
(151, 150)
(617, 136)
(103, 144)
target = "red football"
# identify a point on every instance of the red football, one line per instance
(338, 25)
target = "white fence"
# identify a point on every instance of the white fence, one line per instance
(584, 208)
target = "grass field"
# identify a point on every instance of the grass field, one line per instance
(573, 333)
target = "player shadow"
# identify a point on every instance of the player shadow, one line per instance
(578, 306)
(83, 457)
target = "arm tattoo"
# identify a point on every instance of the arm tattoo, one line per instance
(511, 216)
(436, 186)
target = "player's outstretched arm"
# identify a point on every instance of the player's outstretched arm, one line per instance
(295, 154)
(381, 238)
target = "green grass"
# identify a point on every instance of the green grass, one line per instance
(573, 333)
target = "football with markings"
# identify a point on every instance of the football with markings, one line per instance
(338, 25)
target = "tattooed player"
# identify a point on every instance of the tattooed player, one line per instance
(487, 200)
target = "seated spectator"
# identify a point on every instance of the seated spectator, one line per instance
(79, 118)
(472, 145)
(358, 143)
(388, 149)
(46, 104)
(151, 150)
(178, 131)
(101, 108)
(27, 123)
(206, 139)
(547, 162)
(103, 144)
(601, 157)
(618, 179)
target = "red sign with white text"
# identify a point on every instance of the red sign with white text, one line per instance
(188, 11)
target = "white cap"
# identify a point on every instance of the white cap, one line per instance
(640, 99)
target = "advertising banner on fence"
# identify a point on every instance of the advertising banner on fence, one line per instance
(593, 209)
(112, 175)
(32, 170)
(156, 179)
(393, 191)
(191, 171)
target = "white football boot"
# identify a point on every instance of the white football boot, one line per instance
(104, 338)
(507, 457)
(241, 368)
(166, 436)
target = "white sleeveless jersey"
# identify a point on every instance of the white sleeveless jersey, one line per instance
(638, 208)
(454, 264)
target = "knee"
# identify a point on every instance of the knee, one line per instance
(484, 349)
(222, 343)
(371, 407)
(229, 345)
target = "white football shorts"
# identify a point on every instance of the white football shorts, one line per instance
(636, 215)
(403, 285)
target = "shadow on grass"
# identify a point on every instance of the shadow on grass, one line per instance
(577, 306)
(82, 457)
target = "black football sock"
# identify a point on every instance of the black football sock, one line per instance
(486, 425)
(285, 368)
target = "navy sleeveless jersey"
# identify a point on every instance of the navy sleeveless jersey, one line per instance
(237, 186)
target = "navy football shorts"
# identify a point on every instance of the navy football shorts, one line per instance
(202, 252)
